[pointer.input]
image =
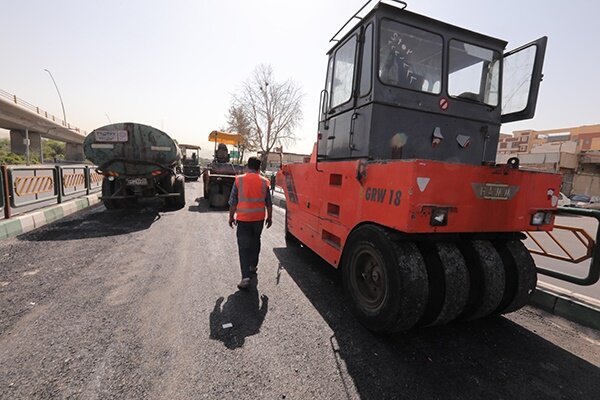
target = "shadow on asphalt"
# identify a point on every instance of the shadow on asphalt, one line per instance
(244, 311)
(97, 224)
(203, 207)
(485, 359)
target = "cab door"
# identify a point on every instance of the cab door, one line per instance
(521, 77)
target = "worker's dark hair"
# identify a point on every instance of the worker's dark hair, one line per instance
(254, 163)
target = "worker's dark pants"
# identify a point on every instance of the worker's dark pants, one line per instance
(248, 238)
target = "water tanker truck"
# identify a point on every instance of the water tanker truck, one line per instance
(136, 161)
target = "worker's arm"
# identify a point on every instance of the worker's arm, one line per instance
(233, 201)
(269, 220)
(232, 215)
(269, 206)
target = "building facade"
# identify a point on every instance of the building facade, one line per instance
(572, 152)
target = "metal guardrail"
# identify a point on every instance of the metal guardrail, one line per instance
(30, 185)
(27, 186)
(22, 103)
(590, 245)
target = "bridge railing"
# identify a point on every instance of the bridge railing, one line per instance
(27, 188)
(22, 103)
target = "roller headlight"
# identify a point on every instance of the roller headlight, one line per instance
(439, 217)
(541, 218)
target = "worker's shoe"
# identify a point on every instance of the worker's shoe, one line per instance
(244, 284)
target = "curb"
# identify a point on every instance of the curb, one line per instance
(24, 223)
(278, 200)
(563, 303)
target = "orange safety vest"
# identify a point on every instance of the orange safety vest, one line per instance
(252, 190)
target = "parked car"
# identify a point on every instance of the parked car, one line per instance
(563, 200)
(580, 200)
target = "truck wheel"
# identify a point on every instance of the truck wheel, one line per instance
(179, 187)
(487, 277)
(386, 281)
(521, 275)
(107, 191)
(448, 282)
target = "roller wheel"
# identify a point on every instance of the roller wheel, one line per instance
(449, 283)
(521, 275)
(486, 273)
(385, 281)
(290, 240)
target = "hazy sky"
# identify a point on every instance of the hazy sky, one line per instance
(174, 64)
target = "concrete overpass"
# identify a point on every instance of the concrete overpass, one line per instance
(25, 120)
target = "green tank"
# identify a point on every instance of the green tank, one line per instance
(131, 149)
(137, 161)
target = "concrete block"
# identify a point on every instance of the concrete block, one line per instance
(543, 300)
(81, 203)
(69, 208)
(53, 214)
(93, 199)
(10, 228)
(39, 219)
(27, 223)
(579, 313)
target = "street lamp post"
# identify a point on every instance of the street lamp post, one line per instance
(59, 96)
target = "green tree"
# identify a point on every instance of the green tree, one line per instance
(9, 158)
(53, 149)
(238, 122)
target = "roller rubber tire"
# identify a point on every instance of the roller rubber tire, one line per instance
(449, 283)
(521, 275)
(486, 273)
(385, 281)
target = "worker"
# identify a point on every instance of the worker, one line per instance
(250, 196)
(272, 184)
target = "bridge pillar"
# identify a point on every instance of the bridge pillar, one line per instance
(74, 152)
(18, 145)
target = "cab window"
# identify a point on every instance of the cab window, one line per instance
(409, 57)
(343, 73)
(474, 73)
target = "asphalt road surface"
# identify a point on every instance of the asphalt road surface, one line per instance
(135, 305)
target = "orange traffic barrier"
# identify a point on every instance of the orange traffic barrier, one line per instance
(73, 180)
(96, 177)
(29, 185)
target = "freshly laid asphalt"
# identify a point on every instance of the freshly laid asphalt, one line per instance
(143, 304)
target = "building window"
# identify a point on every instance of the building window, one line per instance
(502, 145)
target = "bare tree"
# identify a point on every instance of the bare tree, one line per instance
(272, 108)
(237, 121)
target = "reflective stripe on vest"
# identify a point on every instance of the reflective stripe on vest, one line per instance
(252, 190)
